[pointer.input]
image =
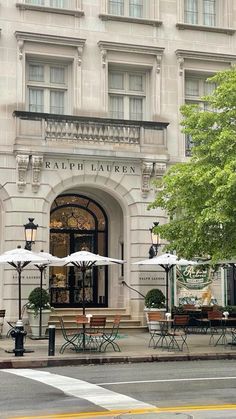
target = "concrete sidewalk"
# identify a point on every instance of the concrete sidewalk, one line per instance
(134, 348)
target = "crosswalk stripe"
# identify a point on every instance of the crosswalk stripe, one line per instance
(99, 396)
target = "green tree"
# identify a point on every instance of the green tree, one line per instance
(199, 196)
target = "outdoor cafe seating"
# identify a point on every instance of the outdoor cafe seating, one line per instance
(167, 333)
(91, 334)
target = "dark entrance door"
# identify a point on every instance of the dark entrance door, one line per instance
(77, 223)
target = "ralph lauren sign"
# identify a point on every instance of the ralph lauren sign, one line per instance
(95, 167)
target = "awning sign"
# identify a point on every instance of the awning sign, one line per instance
(192, 277)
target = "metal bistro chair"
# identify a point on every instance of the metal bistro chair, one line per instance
(155, 329)
(82, 322)
(96, 332)
(179, 334)
(69, 338)
(109, 338)
(215, 327)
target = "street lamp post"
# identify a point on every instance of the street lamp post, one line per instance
(30, 233)
(155, 239)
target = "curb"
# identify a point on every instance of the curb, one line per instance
(66, 361)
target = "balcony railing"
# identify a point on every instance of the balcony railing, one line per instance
(88, 131)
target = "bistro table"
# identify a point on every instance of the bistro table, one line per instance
(220, 326)
(164, 333)
(90, 333)
(225, 323)
(82, 322)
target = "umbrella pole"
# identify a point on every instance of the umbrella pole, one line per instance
(83, 301)
(19, 295)
(167, 290)
(40, 302)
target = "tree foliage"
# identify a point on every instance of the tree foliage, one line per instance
(199, 196)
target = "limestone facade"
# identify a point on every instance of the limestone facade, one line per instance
(89, 105)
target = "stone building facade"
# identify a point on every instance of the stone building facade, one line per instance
(89, 116)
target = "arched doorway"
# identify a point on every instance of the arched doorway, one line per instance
(78, 222)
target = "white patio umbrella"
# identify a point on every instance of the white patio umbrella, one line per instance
(84, 260)
(20, 258)
(166, 261)
(51, 260)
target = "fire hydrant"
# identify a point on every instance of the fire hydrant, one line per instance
(18, 333)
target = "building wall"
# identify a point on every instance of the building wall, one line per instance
(90, 42)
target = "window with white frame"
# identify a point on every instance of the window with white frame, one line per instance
(60, 4)
(132, 8)
(200, 12)
(195, 89)
(127, 94)
(47, 86)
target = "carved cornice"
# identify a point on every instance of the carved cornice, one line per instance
(22, 161)
(23, 37)
(203, 55)
(147, 169)
(37, 164)
(130, 48)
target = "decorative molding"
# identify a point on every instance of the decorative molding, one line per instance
(206, 56)
(22, 161)
(180, 61)
(104, 57)
(147, 169)
(130, 48)
(37, 164)
(158, 58)
(227, 31)
(20, 44)
(143, 21)
(48, 9)
(159, 169)
(49, 39)
(80, 53)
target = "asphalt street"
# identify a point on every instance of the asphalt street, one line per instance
(199, 389)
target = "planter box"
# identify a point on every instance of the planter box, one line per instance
(34, 322)
(153, 325)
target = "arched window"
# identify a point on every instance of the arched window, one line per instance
(77, 223)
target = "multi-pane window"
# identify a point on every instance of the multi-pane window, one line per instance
(126, 95)
(46, 87)
(132, 8)
(60, 4)
(195, 89)
(200, 12)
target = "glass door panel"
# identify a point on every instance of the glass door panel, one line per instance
(60, 246)
(84, 241)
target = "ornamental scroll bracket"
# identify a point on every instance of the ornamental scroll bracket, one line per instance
(80, 53)
(159, 171)
(104, 57)
(37, 164)
(181, 65)
(158, 63)
(147, 169)
(22, 161)
(20, 44)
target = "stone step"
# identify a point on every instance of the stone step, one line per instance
(127, 324)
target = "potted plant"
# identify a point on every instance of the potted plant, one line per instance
(38, 298)
(154, 301)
